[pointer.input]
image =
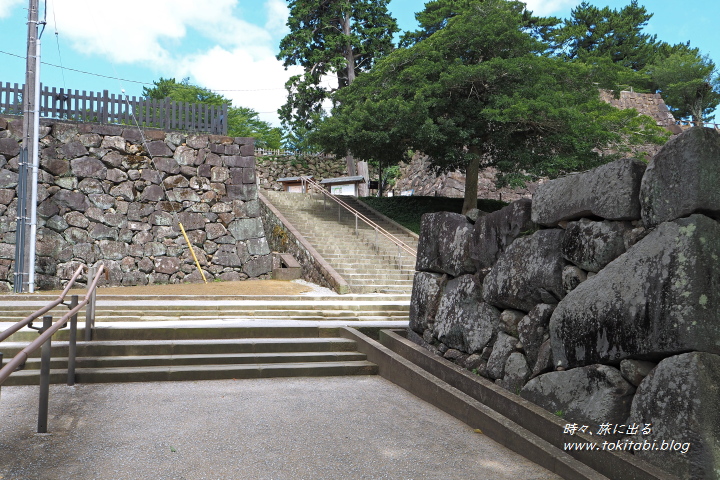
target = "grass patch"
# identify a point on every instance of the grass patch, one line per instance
(407, 211)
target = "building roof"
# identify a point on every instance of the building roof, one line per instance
(344, 180)
(292, 179)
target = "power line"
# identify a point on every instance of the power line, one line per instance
(133, 81)
(80, 71)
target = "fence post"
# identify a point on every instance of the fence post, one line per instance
(44, 378)
(104, 114)
(72, 346)
(224, 125)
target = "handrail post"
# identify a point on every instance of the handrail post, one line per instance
(72, 346)
(1, 359)
(356, 218)
(89, 309)
(44, 378)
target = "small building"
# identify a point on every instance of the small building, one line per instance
(293, 184)
(343, 185)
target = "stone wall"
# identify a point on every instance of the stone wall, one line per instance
(418, 176)
(597, 300)
(270, 168)
(102, 198)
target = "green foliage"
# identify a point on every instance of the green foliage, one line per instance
(407, 211)
(479, 90)
(330, 37)
(689, 83)
(242, 121)
(623, 56)
(602, 32)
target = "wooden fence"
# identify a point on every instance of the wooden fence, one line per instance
(106, 108)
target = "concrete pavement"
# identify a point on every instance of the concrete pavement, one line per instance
(283, 428)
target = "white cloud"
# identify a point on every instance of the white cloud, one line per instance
(261, 79)
(548, 7)
(277, 15)
(6, 6)
(141, 31)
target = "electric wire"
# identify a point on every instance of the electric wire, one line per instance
(57, 41)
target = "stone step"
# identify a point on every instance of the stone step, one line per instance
(129, 361)
(189, 347)
(204, 372)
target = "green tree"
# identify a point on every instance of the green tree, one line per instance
(689, 83)
(330, 38)
(479, 92)
(242, 121)
(603, 32)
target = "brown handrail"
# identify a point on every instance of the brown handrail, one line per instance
(362, 217)
(5, 334)
(23, 355)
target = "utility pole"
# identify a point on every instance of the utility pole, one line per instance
(26, 181)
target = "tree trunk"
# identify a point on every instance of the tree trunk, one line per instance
(362, 169)
(471, 181)
(349, 55)
(350, 163)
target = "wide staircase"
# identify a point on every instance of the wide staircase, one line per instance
(368, 261)
(152, 354)
(187, 337)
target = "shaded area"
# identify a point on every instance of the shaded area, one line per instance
(321, 428)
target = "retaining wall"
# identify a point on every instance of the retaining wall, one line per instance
(116, 194)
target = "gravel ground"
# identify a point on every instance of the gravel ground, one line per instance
(309, 428)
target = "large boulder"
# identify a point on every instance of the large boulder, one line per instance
(425, 299)
(591, 395)
(493, 233)
(463, 321)
(592, 245)
(659, 298)
(610, 191)
(680, 399)
(444, 244)
(529, 271)
(683, 178)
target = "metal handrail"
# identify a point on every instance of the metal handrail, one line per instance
(359, 215)
(20, 359)
(27, 320)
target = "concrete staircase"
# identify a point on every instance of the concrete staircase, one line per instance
(369, 262)
(195, 353)
(121, 308)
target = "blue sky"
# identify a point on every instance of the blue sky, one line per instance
(230, 45)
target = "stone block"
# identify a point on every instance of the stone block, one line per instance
(444, 244)
(494, 232)
(679, 399)
(592, 245)
(158, 148)
(242, 192)
(425, 300)
(528, 273)
(463, 321)
(592, 395)
(73, 150)
(610, 191)
(659, 298)
(683, 178)
(258, 266)
(88, 167)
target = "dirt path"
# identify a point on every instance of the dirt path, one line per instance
(247, 287)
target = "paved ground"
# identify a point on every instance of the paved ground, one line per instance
(310, 428)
